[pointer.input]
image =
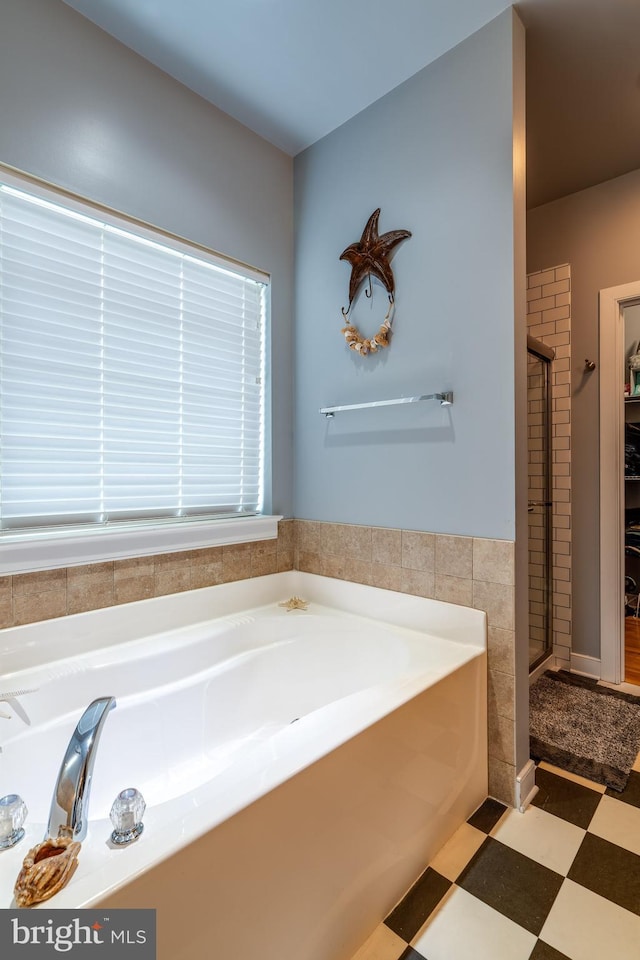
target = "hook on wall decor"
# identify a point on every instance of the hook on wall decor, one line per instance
(589, 366)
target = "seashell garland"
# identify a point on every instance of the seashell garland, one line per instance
(355, 340)
(47, 868)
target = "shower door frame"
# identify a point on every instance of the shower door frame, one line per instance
(546, 354)
(612, 378)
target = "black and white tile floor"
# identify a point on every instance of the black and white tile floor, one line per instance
(559, 882)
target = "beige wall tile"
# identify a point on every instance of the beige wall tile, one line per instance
(263, 557)
(136, 567)
(309, 562)
(454, 556)
(493, 561)
(90, 592)
(332, 566)
(328, 538)
(97, 571)
(39, 582)
(308, 535)
(6, 589)
(207, 574)
(386, 576)
(208, 555)
(182, 559)
(420, 583)
(172, 579)
(358, 571)
(501, 738)
(454, 590)
(502, 781)
(284, 558)
(285, 545)
(28, 608)
(236, 561)
(501, 694)
(353, 541)
(286, 529)
(129, 589)
(90, 587)
(386, 546)
(6, 613)
(418, 550)
(501, 650)
(497, 600)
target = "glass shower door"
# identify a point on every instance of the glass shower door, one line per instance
(540, 503)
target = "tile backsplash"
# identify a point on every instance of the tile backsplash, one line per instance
(470, 571)
(28, 597)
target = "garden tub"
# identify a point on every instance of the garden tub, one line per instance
(300, 767)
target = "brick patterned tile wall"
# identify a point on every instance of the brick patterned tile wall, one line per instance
(28, 597)
(470, 571)
(549, 320)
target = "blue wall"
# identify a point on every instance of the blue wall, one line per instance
(436, 154)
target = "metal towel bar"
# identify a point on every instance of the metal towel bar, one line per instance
(446, 399)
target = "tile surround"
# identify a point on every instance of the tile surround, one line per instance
(470, 571)
(28, 597)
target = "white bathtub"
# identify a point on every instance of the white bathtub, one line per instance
(293, 839)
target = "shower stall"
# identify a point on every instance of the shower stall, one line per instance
(539, 359)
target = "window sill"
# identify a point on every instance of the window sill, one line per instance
(48, 552)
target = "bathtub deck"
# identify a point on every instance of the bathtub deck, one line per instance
(386, 758)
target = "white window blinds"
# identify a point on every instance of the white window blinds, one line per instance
(131, 374)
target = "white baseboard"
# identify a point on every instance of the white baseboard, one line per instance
(526, 786)
(587, 666)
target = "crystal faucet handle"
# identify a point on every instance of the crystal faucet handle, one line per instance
(13, 813)
(126, 816)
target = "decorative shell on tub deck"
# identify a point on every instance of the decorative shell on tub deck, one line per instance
(294, 603)
(47, 868)
(368, 257)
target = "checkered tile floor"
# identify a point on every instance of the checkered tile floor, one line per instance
(559, 882)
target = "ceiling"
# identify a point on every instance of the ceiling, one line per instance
(293, 70)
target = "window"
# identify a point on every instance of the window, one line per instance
(132, 380)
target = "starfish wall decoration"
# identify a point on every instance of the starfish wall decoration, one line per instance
(370, 257)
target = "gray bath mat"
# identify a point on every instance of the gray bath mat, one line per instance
(584, 728)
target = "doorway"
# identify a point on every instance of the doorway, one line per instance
(619, 496)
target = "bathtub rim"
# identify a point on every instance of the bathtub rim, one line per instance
(467, 629)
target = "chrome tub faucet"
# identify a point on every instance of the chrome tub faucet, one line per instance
(69, 816)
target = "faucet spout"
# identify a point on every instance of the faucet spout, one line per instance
(69, 816)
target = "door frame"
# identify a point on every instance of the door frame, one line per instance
(612, 300)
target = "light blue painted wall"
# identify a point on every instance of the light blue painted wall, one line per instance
(436, 155)
(82, 111)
